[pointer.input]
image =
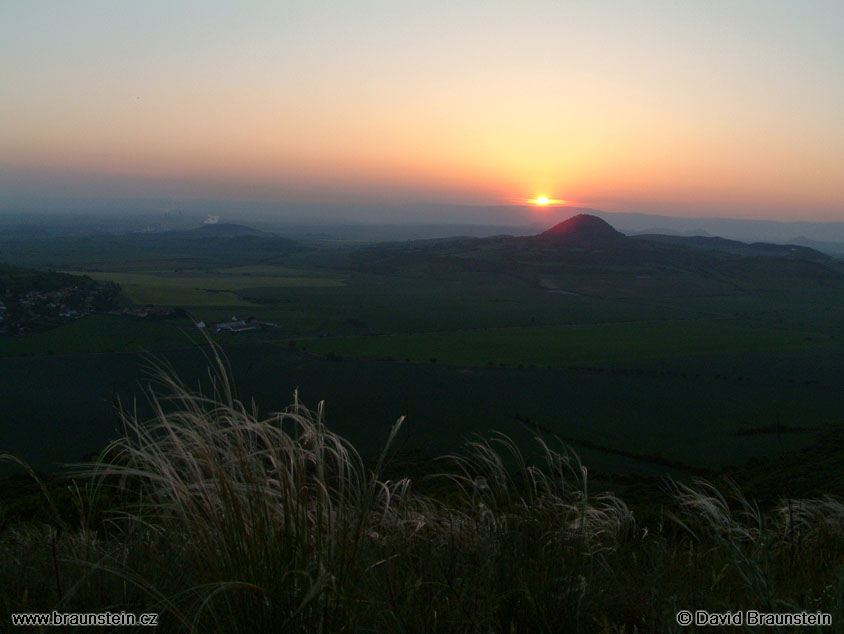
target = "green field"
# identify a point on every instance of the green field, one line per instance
(103, 333)
(644, 383)
(576, 344)
(199, 288)
(61, 407)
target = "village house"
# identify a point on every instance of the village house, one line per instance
(239, 324)
(243, 324)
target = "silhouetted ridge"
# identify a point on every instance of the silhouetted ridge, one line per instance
(228, 230)
(584, 229)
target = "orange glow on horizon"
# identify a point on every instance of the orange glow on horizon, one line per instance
(325, 104)
(544, 201)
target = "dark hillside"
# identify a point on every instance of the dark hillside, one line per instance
(225, 230)
(738, 248)
(585, 255)
(210, 245)
(32, 300)
(583, 230)
(17, 280)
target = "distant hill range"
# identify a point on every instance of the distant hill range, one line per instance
(586, 255)
(228, 236)
(225, 230)
(213, 245)
(713, 243)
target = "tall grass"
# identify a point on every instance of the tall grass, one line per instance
(224, 520)
(267, 517)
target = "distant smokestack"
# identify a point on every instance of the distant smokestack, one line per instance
(211, 220)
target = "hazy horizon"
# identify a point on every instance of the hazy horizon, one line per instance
(398, 222)
(722, 109)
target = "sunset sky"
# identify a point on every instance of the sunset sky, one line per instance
(716, 108)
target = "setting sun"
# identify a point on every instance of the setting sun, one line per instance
(544, 201)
